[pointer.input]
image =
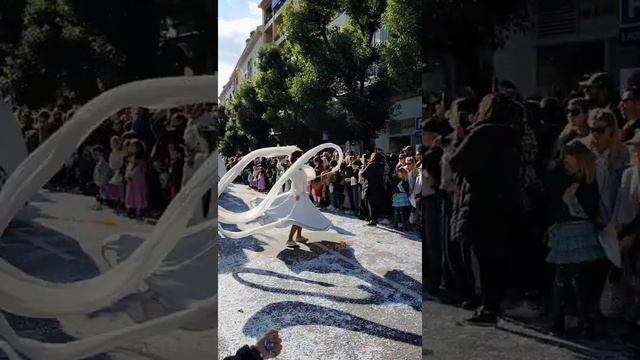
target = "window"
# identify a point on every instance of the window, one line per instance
(249, 72)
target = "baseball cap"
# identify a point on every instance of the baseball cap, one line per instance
(599, 79)
(631, 93)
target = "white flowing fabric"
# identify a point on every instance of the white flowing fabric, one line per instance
(23, 294)
(221, 167)
(226, 217)
(295, 206)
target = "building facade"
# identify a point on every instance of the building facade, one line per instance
(567, 40)
(266, 33)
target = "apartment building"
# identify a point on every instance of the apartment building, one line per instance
(266, 33)
(403, 128)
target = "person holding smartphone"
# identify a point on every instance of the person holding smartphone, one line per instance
(268, 347)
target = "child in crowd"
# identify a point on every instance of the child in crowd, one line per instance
(333, 187)
(85, 169)
(253, 178)
(101, 174)
(400, 199)
(261, 179)
(573, 239)
(115, 188)
(316, 191)
(176, 166)
(136, 200)
(163, 192)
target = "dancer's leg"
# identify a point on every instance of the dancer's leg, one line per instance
(292, 232)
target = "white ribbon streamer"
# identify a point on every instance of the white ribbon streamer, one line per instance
(226, 217)
(23, 294)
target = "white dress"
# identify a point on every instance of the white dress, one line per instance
(299, 212)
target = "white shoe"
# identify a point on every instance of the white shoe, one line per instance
(292, 243)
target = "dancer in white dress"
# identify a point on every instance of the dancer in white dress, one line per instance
(297, 208)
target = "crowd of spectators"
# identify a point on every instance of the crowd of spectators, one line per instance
(135, 161)
(372, 186)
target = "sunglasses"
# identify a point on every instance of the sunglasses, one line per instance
(573, 112)
(599, 130)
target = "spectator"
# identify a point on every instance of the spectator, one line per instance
(373, 190)
(401, 204)
(101, 174)
(136, 198)
(573, 239)
(630, 108)
(115, 188)
(268, 347)
(176, 166)
(488, 158)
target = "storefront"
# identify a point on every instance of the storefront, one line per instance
(402, 129)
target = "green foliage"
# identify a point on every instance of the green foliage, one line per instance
(245, 114)
(402, 52)
(56, 52)
(78, 48)
(338, 77)
(233, 140)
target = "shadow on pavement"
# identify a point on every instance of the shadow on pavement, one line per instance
(47, 254)
(319, 260)
(582, 349)
(287, 314)
(188, 274)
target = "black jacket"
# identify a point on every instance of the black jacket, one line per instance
(587, 194)
(489, 161)
(245, 353)
(374, 174)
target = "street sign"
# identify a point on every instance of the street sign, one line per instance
(629, 21)
(419, 126)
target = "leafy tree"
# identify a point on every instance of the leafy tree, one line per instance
(11, 13)
(466, 28)
(245, 112)
(340, 65)
(131, 27)
(59, 54)
(233, 140)
(273, 88)
(402, 52)
(79, 48)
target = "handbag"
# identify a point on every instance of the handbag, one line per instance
(615, 295)
(610, 243)
(413, 217)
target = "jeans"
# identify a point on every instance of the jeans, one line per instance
(356, 197)
(401, 216)
(335, 200)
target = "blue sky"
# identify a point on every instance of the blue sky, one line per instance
(236, 19)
